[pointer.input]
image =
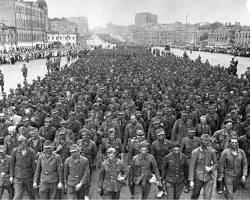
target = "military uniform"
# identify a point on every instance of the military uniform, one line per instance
(108, 178)
(76, 172)
(173, 173)
(180, 130)
(5, 183)
(141, 170)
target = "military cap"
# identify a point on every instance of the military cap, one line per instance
(21, 138)
(62, 132)
(33, 130)
(143, 144)
(139, 132)
(159, 112)
(25, 119)
(234, 112)
(156, 121)
(138, 113)
(203, 117)
(229, 120)
(191, 130)
(205, 137)
(74, 148)
(176, 144)
(111, 150)
(2, 148)
(120, 113)
(160, 131)
(47, 119)
(47, 144)
(184, 112)
(84, 130)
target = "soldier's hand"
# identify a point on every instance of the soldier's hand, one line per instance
(78, 186)
(60, 186)
(208, 169)
(191, 184)
(35, 185)
(11, 179)
(243, 179)
(220, 179)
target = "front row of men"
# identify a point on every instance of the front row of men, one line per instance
(48, 174)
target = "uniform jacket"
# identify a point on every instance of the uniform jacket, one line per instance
(76, 171)
(233, 165)
(159, 150)
(244, 144)
(48, 133)
(188, 145)
(173, 168)
(180, 130)
(22, 166)
(5, 168)
(109, 173)
(37, 146)
(49, 170)
(199, 160)
(141, 169)
(88, 150)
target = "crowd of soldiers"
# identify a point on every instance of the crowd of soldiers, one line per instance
(133, 118)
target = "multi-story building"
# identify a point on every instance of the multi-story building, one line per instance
(63, 26)
(145, 18)
(162, 34)
(224, 35)
(64, 39)
(7, 37)
(28, 19)
(242, 37)
(63, 31)
(82, 23)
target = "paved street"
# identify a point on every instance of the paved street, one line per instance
(13, 74)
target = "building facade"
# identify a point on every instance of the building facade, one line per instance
(82, 24)
(62, 26)
(145, 18)
(29, 19)
(64, 39)
(163, 34)
(242, 37)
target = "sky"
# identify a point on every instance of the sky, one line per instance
(122, 12)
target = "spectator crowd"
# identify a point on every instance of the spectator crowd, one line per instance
(135, 119)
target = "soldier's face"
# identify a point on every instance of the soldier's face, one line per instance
(229, 126)
(47, 150)
(111, 156)
(234, 144)
(143, 150)
(176, 150)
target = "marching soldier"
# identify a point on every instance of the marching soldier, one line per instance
(188, 144)
(142, 167)
(202, 165)
(76, 174)
(160, 148)
(173, 172)
(233, 167)
(5, 183)
(22, 168)
(49, 169)
(112, 176)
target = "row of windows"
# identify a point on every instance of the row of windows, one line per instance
(28, 37)
(243, 35)
(61, 38)
(29, 11)
(7, 38)
(30, 23)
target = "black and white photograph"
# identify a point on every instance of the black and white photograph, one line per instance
(124, 99)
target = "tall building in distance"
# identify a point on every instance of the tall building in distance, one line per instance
(27, 20)
(82, 23)
(145, 18)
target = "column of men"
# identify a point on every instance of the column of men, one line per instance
(156, 123)
(53, 161)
